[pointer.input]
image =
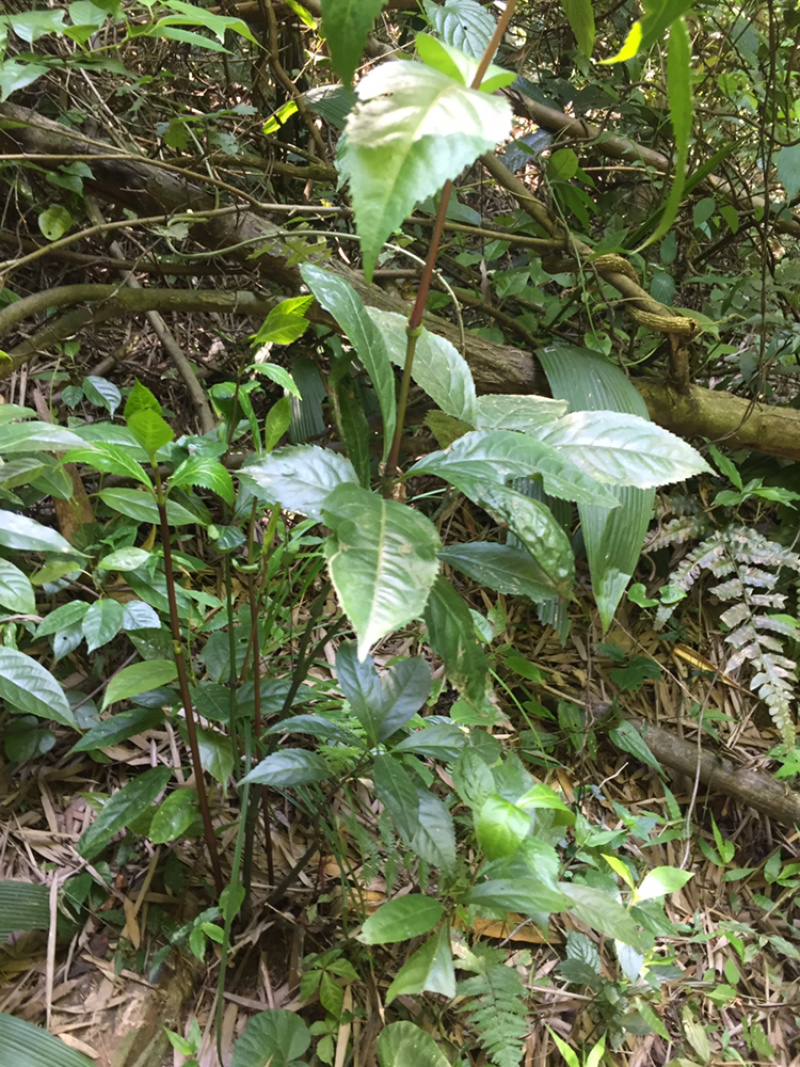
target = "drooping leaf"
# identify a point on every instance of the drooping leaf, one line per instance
(102, 622)
(435, 837)
(382, 561)
(429, 970)
(102, 392)
(346, 24)
(142, 507)
(300, 477)
(500, 826)
(580, 15)
(339, 298)
(27, 686)
(16, 591)
(382, 704)
(658, 16)
(451, 634)
(139, 678)
(401, 919)
(285, 323)
(412, 129)
(499, 567)
(119, 728)
(207, 472)
(398, 793)
(18, 531)
(174, 816)
(122, 808)
(439, 368)
(111, 459)
(36, 437)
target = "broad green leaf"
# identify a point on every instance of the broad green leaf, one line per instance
(54, 221)
(462, 23)
(401, 919)
(119, 727)
(300, 477)
(23, 470)
(402, 1044)
(451, 634)
(277, 374)
(174, 816)
(524, 894)
(277, 422)
(613, 538)
(382, 704)
(472, 778)
(25, 1045)
(289, 767)
(122, 808)
(142, 507)
(139, 678)
(411, 130)
(397, 792)
(111, 459)
(16, 591)
(23, 906)
(150, 430)
(454, 63)
(500, 567)
(438, 368)
(346, 24)
(339, 298)
(219, 25)
(317, 726)
(435, 838)
(36, 437)
(429, 970)
(216, 754)
(787, 167)
(139, 399)
(277, 1037)
(382, 561)
(102, 392)
(206, 472)
(659, 881)
(624, 449)
(102, 622)
(512, 412)
(29, 26)
(11, 412)
(15, 76)
(441, 740)
(497, 455)
(500, 827)
(542, 796)
(62, 617)
(580, 15)
(27, 686)
(286, 322)
(124, 559)
(602, 912)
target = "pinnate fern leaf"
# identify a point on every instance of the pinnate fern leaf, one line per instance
(496, 1008)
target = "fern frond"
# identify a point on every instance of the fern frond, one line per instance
(747, 567)
(497, 1009)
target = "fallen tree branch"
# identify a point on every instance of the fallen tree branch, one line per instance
(753, 788)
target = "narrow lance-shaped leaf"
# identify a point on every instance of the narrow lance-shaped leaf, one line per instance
(346, 24)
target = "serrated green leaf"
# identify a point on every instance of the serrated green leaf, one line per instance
(289, 767)
(401, 919)
(123, 808)
(207, 472)
(339, 298)
(139, 678)
(16, 591)
(139, 399)
(150, 429)
(382, 561)
(27, 686)
(411, 131)
(300, 477)
(498, 455)
(438, 368)
(512, 412)
(111, 459)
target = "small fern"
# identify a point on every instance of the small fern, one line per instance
(496, 1006)
(747, 567)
